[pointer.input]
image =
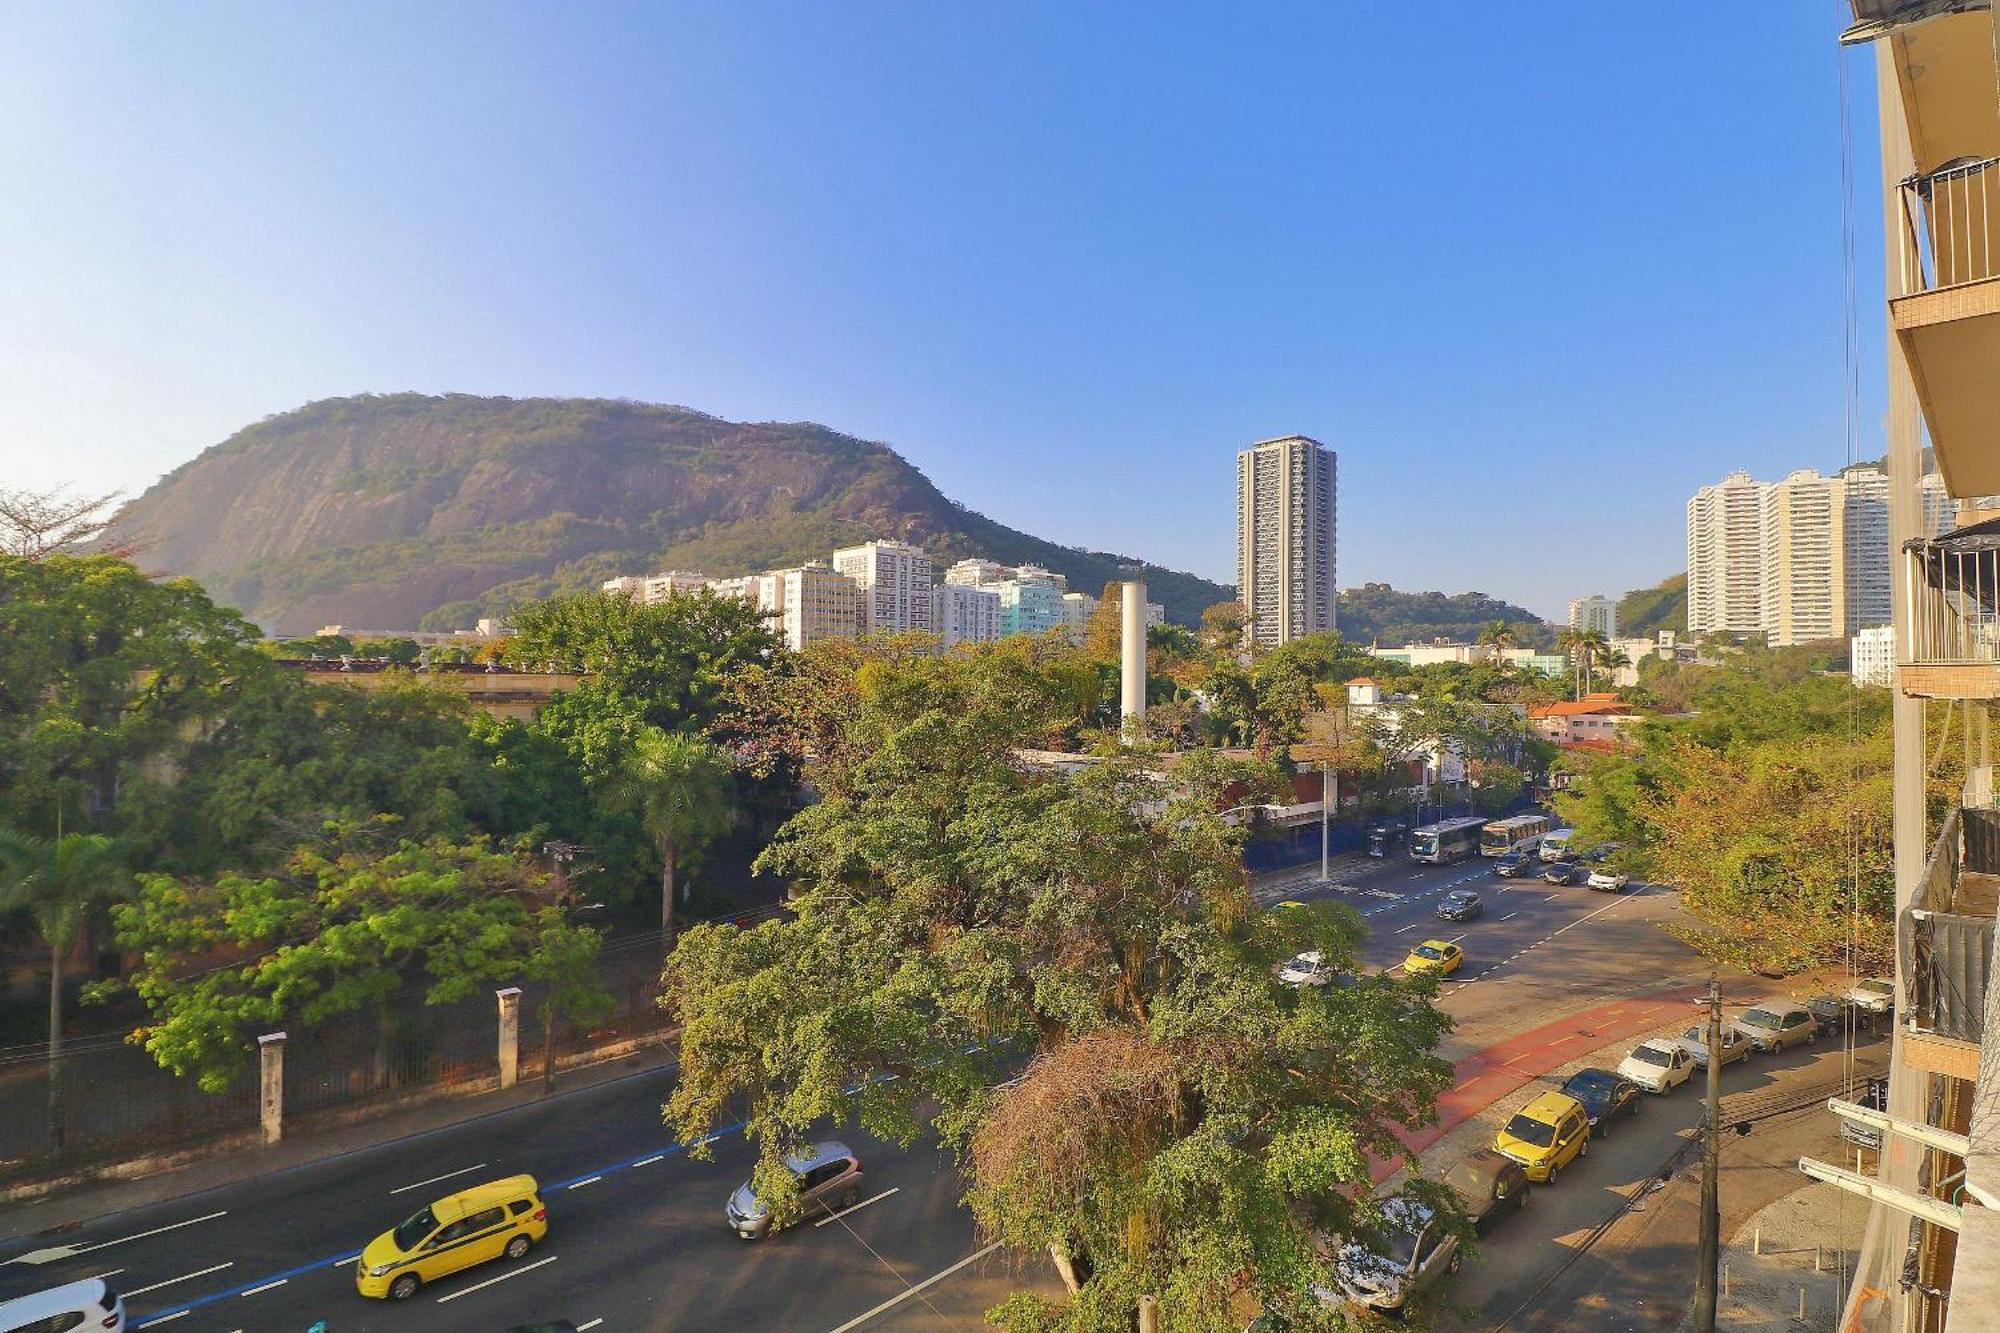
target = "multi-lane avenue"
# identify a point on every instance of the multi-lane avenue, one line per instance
(637, 1237)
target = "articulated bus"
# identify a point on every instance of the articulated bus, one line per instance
(1522, 833)
(1451, 840)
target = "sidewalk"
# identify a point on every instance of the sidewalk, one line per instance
(231, 1161)
(1770, 1262)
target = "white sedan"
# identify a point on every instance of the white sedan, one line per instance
(1876, 995)
(1307, 969)
(1608, 881)
(1659, 1065)
(1735, 1046)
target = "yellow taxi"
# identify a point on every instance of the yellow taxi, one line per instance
(1439, 956)
(505, 1217)
(1546, 1135)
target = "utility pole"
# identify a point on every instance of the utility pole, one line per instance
(1329, 792)
(1711, 1165)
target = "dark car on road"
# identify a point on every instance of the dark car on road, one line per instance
(1566, 872)
(1490, 1186)
(1514, 865)
(1830, 1012)
(1460, 905)
(1604, 1095)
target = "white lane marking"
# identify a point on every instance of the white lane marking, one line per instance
(1552, 897)
(417, 1185)
(481, 1286)
(579, 1184)
(585, 1328)
(1404, 930)
(141, 1291)
(900, 1297)
(858, 1207)
(342, 1263)
(657, 1157)
(266, 1287)
(1510, 916)
(163, 1319)
(71, 1251)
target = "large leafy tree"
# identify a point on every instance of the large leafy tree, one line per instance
(1177, 1123)
(59, 882)
(104, 674)
(351, 920)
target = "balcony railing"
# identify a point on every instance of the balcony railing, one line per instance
(1954, 595)
(1946, 934)
(1951, 227)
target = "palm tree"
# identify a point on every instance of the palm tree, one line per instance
(1592, 649)
(1497, 634)
(678, 785)
(58, 881)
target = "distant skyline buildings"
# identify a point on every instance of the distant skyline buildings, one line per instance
(1799, 559)
(1286, 514)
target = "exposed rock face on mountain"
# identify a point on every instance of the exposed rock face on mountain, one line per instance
(400, 510)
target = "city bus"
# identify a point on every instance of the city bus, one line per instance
(1385, 838)
(1448, 840)
(1522, 833)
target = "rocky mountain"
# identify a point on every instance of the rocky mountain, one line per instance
(406, 510)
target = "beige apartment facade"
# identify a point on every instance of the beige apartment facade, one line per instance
(1930, 1257)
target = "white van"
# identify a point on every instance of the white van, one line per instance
(1555, 844)
(87, 1305)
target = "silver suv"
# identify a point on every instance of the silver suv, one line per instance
(829, 1178)
(1776, 1024)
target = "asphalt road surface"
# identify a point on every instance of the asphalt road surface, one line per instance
(637, 1239)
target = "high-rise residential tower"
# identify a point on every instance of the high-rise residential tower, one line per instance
(895, 583)
(1285, 516)
(1725, 538)
(1596, 612)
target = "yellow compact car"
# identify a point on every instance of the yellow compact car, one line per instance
(1434, 956)
(1546, 1135)
(458, 1231)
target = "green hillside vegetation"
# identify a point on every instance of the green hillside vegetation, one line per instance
(1662, 606)
(410, 510)
(1376, 613)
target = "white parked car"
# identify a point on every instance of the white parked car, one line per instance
(1658, 1065)
(1735, 1046)
(1306, 969)
(1383, 1267)
(1876, 995)
(1608, 881)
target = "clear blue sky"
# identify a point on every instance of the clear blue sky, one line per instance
(1535, 271)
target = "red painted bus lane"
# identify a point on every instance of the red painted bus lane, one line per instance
(1484, 1077)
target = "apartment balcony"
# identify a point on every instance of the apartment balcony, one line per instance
(1946, 939)
(1951, 647)
(1946, 313)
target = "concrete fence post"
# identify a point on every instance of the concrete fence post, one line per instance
(271, 1087)
(1149, 1314)
(510, 1034)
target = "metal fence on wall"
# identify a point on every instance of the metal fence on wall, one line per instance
(118, 1103)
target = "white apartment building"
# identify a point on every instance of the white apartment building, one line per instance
(895, 583)
(977, 573)
(1077, 609)
(1725, 534)
(1871, 655)
(965, 613)
(657, 587)
(1285, 514)
(1596, 612)
(742, 586)
(810, 603)
(1800, 559)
